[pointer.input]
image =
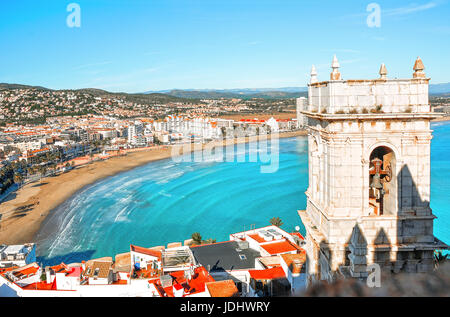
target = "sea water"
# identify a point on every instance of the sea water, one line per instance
(166, 201)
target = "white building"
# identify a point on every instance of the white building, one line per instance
(17, 255)
(136, 134)
(301, 106)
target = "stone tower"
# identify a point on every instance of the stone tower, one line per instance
(368, 199)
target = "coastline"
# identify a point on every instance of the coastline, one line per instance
(443, 118)
(23, 211)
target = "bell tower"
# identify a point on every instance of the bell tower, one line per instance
(368, 199)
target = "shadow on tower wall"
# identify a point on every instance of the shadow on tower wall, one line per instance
(408, 246)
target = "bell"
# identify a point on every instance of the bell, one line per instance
(376, 181)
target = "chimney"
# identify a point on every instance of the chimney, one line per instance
(335, 74)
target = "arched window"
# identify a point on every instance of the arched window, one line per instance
(382, 182)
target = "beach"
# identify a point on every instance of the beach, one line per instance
(23, 211)
(443, 118)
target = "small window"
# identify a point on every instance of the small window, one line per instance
(242, 257)
(97, 270)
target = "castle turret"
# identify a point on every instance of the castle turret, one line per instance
(313, 75)
(419, 69)
(335, 74)
(383, 71)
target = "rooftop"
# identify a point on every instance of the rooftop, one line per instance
(380, 95)
(225, 288)
(154, 253)
(294, 262)
(267, 274)
(98, 268)
(225, 256)
(280, 247)
(178, 280)
(270, 261)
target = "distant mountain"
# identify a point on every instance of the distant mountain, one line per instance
(193, 95)
(267, 93)
(150, 98)
(245, 93)
(18, 86)
(438, 89)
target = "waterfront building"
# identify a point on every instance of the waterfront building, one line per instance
(136, 134)
(301, 118)
(98, 272)
(260, 262)
(17, 255)
(368, 200)
(145, 262)
(255, 253)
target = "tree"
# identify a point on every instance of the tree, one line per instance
(18, 178)
(210, 240)
(276, 221)
(439, 258)
(197, 238)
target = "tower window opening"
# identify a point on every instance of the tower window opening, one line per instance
(382, 186)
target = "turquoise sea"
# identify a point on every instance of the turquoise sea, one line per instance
(165, 202)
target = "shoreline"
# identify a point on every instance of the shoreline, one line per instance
(25, 210)
(443, 118)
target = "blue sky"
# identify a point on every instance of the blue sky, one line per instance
(137, 45)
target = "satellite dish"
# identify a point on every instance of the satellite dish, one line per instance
(297, 228)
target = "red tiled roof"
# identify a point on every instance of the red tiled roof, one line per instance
(75, 271)
(27, 271)
(197, 284)
(41, 286)
(279, 247)
(298, 234)
(267, 274)
(257, 238)
(156, 254)
(225, 288)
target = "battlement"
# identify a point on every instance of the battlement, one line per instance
(381, 95)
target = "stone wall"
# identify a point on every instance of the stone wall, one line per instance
(394, 95)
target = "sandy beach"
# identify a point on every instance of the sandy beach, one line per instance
(23, 211)
(443, 118)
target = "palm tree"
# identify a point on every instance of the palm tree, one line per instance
(197, 238)
(276, 221)
(210, 241)
(439, 258)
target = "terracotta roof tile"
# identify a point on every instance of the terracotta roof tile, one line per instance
(222, 289)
